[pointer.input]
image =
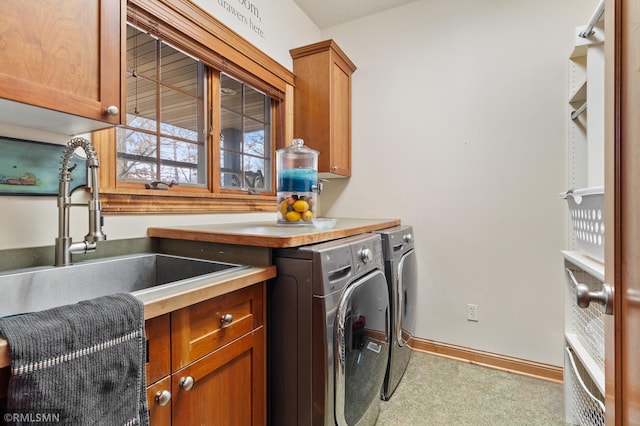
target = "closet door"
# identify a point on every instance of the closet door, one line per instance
(622, 192)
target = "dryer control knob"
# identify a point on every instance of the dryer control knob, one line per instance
(366, 255)
(408, 238)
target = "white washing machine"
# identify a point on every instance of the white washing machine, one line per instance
(402, 276)
(328, 333)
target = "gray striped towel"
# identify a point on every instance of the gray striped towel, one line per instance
(81, 364)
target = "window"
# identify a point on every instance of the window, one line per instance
(193, 117)
(245, 148)
(163, 138)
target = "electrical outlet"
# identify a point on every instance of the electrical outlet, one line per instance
(472, 312)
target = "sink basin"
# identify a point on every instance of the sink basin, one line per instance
(39, 288)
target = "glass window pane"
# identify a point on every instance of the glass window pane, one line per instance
(230, 93)
(136, 155)
(254, 141)
(231, 169)
(179, 114)
(179, 70)
(245, 119)
(141, 103)
(179, 161)
(141, 52)
(254, 104)
(231, 131)
(254, 171)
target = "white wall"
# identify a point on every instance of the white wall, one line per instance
(468, 101)
(463, 105)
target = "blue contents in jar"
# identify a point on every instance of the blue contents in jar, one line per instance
(297, 180)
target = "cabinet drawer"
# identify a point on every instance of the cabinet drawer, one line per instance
(199, 329)
(158, 348)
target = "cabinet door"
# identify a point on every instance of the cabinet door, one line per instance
(63, 56)
(226, 387)
(340, 143)
(159, 402)
(158, 331)
(322, 106)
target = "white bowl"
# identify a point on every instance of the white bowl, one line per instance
(324, 223)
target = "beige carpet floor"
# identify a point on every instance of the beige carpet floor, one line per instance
(440, 391)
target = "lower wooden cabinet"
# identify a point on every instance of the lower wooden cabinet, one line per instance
(206, 363)
(212, 368)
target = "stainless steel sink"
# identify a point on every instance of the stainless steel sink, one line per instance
(36, 289)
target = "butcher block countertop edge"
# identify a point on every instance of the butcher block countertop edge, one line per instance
(270, 234)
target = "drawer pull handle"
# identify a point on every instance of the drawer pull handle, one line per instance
(584, 296)
(186, 383)
(226, 319)
(163, 398)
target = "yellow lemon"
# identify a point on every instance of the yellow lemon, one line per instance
(307, 216)
(293, 216)
(301, 206)
(284, 206)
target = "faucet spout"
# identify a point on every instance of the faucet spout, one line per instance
(64, 246)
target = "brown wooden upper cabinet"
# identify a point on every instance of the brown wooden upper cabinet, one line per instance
(322, 105)
(63, 57)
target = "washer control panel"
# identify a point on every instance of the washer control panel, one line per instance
(367, 253)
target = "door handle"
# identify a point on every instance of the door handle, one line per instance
(584, 296)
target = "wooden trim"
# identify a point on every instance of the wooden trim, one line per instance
(613, 211)
(324, 46)
(128, 203)
(488, 359)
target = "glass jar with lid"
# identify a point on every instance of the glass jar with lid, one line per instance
(297, 183)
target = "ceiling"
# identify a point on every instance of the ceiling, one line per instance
(327, 13)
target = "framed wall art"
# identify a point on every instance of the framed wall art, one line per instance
(33, 168)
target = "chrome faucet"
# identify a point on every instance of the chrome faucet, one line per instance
(64, 246)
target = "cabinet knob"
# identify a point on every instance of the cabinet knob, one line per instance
(334, 168)
(163, 398)
(186, 383)
(226, 319)
(112, 110)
